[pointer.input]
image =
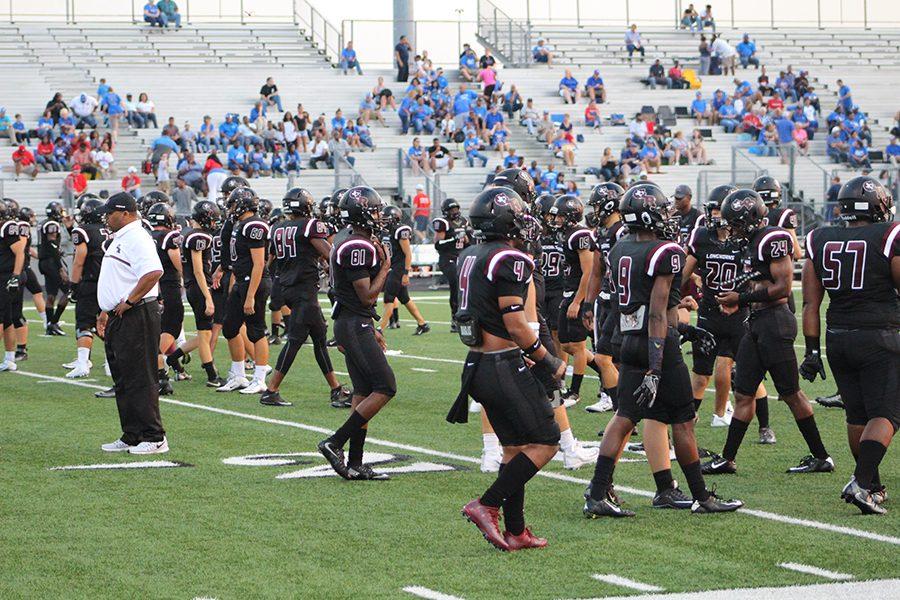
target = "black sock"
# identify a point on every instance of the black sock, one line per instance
(810, 433)
(594, 367)
(357, 441)
(736, 432)
(286, 322)
(58, 313)
(870, 454)
(663, 480)
(513, 479)
(163, 374)
(697, 403)
(876, 479)
(695, 480)
(614, 396)
(172, 359)
(762, 411)
(576, 384)
(603, 474)
(354, 421)
(210, 369)
(21, 347)
(514, 510)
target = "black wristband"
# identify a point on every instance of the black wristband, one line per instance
(550, 362)
(813, 344)
(128, 302)
(532, 348)
(655, 348)
(747, 298)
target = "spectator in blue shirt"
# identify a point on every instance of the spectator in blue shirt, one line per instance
(785, 128)
(728, 116)
(440, 80)
(892, 151)
(463, 100)
(405, 111)
(338, 121)
(700, 110)
(170, 11)
(594, 88)
(801, 121)
(510, 160)
(845, 99)
(468, 63)
(650, 157)
(472, 146)
(493, 117)
(228, 130)
(541, 53)
(257, 111)
(21, 134)
(512, 102)
(112, 105)
(349, 60)
(836, 147)
(742, 89)
(423, 117)
(153, 15)
(418, 158)
(747, 52)
(102, 90)
(859, 156)
(237, 157)
(568, 88)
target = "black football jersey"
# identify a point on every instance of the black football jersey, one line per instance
(635, 266)
(224, 245)
(353, 257)
(487, 272)
(252, 232)
(718, 263)
(50, 249)
(25, 232)
(9, 235)
(95, 236)
(605, 238)
(454, 241)
(687, 223)
(296, 259)
(393, 235)
(573, 240)
(766, 246)
(165, 240)
(783, 217)
(854, 265)
(552, 263)
(196, 240)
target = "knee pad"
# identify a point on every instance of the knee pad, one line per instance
(83, 333)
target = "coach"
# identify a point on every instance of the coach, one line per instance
(127, 292)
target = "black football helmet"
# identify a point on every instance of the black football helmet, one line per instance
(207, 215)
(265, 208)
(645, 207)
(519, 181)
(161, 215)
(499, 213)
(543, 205)
(450, 209)
(865, 198)
(714, 202)
(769, 189)
(84, 198)
(159, 196)
(241, 200)
(88, 211)
(55, 210)
(13, 206)
(276, 216)
(323, 208)
(26, 214)
(230, 184)
(604, 200)
(743, 213)
(391, 215)
(361, 207)
(336, 196)
(298, 202)
(6, 212)
(567, 210)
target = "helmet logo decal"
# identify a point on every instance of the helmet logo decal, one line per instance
(742, 204)
(501, 199)
(639, 193)
(868, 186)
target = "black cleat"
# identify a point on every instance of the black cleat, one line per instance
(165, 388)
(422, 329)
(341, 397)
(107, 393)
(454, 327)
(719, 466)
(705, 453)
(811, 464)
(335, 457)
(365, 473)
(21, 355)
(55, 329)
(607, 507)
(714, 504)
(833, 401)
(672, 498)
(275, 339)
(214, 383)
(862, 499)
(273, 399)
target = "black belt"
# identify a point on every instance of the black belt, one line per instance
(143, 301)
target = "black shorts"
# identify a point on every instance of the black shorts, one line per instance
(550, 308)
(31, 282)
(606, 324)
(866, 368)
(674, 401)
(86, 306)
(728, 330)
(768, 348)
(570, 330)
(53, 282)
(220, 298)
(198, 306)
(276, 301)
(514, 401)
(305, 308)
(394, 288)
(234, 310)
(18, 301)
(366, 363)
(7, 301)
(172, 317)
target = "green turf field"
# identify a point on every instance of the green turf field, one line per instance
(241, 529)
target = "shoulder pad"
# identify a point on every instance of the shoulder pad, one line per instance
(509, 261)
(892, 241)
(774, 244)
(403, 232)
(440, 224)
(255, 230)
(665, 259)
(580, 239)
(356, 253)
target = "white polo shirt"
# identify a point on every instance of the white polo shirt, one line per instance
(130, 255)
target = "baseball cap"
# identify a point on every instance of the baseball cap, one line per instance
(119, 201)
(420, 186)
(683, 191)
(132, 170)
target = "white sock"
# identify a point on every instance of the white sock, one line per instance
(491, 441)
(259, 373)
(181, 338)
(566, 440)
(83, 355)
(10, 356)
(44, 318)
(237, 368)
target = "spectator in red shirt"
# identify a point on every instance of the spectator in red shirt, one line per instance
(677, 77)
(592, 116)
(75, 183)
(131, 183)
(422, 213)
(44, 156)
(775, 103)
(24, 161)
(751, 124)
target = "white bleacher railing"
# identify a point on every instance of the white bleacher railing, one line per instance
(325, 36)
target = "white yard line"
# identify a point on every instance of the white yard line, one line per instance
(879, 589)
(424, 592)
(421, 370)
(819, 572)
(849, 531)
(628, 583)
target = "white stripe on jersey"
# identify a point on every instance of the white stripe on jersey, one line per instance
(809, 246)
(889, 242)
(772, 234)
(495, 260)
(364, 243)
(651, 269)
(575, 233)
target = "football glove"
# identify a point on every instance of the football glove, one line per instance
(13, 283)
(645, 394)
(706, 341)
(812, 365)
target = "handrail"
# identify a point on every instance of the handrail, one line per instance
(509, 38)
(322, 33)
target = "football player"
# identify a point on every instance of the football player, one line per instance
(552, 267)
(770, 190)
(689, 216)
(717, 260)
(12, 263)
(451, 236)
(493, 284)
(221, 255)
(52, 266)
(859, 267)
(249, 294)
(88, 238)
(396, 290)
(769, 346)
(278, 310)
(297, 245)
(359, 267)
(196, 267)
(168, 246)
(653, 380)
(27, 220)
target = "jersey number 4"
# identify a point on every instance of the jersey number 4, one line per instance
(840, 257)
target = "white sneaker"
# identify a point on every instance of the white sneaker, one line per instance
(78, 372)
(8, 365)
(490, 460)
(577, 456)
(729, 409)
(474, 407)
(257, 386)
(150, 447)
(604, 404)
(116, 446)
(74, 363)
(234, 383)
(723, 421)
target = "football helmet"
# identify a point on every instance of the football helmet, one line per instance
(207, 215)
(865, 198)
(361, 207)
(604, 200)
(161, 215)
(276, 216)
(13, 206)
(769, 189)
(241, 200)
(265, 208)
(298, 202)
(450, 209)
(499, 213)
(714, 202)
(230, 184)
(519, 181)
(743, 213)
(391, 215)
(88, 211)
(55, 210)
(543, 205)
(645, 207)
(567, 210)
(26, 214)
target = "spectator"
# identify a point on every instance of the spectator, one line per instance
(319, 152)
(728, 116)
(609, 166)
(383, 95)
(764, 87)
(546, 128)
(268, 93)
(162, 173)
(45, 125)
(657, 76)
(401, 58)
(184, 197)
(651, 158)
(81, 157)
(487, 59)
(338, 121)
(747, 52)
(594, 89)
(418, 158)
(19, 131)
(705, 55)
(724, 52)
(111, 103)
(845, 98)
(529, 117)
(135, 119)
(189, 138)
(448, 128)
(629, 159)
(592, 116)
(55, 105)
(24, 162)
(349, 59)
(512, 102)
(422, 117)
(170, 10)
(6, 129)
(892, 154)
(44, 155)
(83, 107)
(468, 63)
(339, 149)
(541, 53)
(706, 18)
(499, 135)
(751, 124)
(568, 88)
(510, 160)
(801, 138)
(153, 15)
(571, 188)
(633, 43)
(208, 137)
(767, 143)
(191, 172)
(785, 128)
(676, 149)
(473, 147)
(369, 109)
(800, 120)
(676, 76)
(228, 131)
(831, 196)
(237, 158)
(103, 161)
(75, 183)
(638, 130)
(61, 154)
(147, 110)
(697, 150)
(439, 157)
(407, 108)
(421, 212)
(859, 157)
(488, 77)
(690, 19)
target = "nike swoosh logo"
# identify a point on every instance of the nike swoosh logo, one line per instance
(469, 364)
(656, 345)
(522, 369)
(365, 325)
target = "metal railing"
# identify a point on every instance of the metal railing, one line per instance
(509, 38)
(376, 42)
(326, 37)
(73, 11)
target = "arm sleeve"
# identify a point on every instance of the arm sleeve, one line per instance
(316, 230)
(580, 240)
(892, 241)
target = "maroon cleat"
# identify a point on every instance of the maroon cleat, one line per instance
(524, 540)
(486, 519)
